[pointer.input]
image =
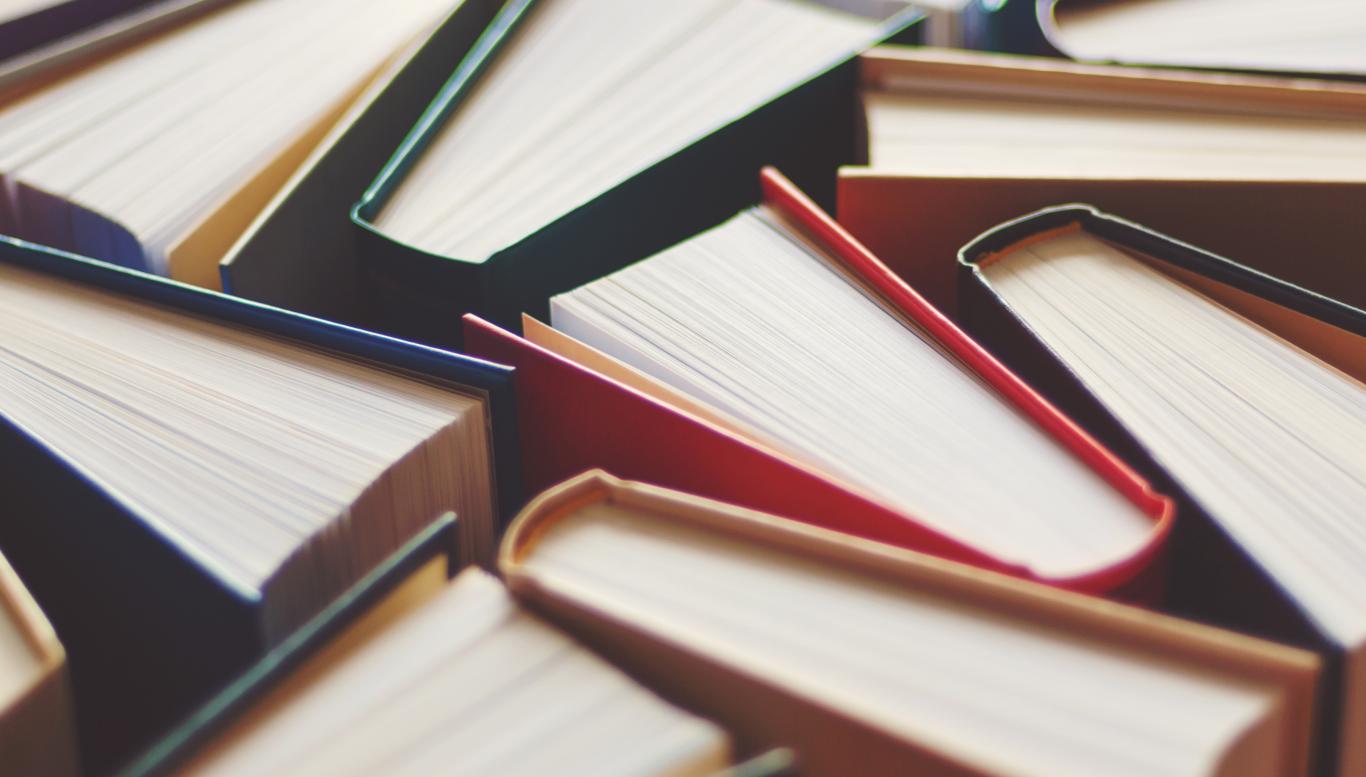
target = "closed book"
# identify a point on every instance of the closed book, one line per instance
(1311, 38)
(464, 671)
(301, 252)
(602, 414)
(158, 154)
(47, 37)
(261, 417)
(866, 659)
(1257, 378)
(638, 178)
(1278, 193)
(422, 565)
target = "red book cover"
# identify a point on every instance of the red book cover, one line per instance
(573, 418)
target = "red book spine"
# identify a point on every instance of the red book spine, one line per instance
(573, 419)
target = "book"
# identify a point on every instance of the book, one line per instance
(198, 475)
(542, 161)
(37, 723)
(1260, 168)
(300, 252)
(406, 582)
(38, 35)
(847, 450)
(759, 321)
(401, 582)
(1314, 37)
(160, 154)
(460, 681)
(1239, 392)
(59, 39)
(872, 660)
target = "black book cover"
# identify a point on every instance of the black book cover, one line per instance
(807, 132)
(148, 631)
(1210, 577)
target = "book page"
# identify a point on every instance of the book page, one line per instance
(1265, 436)
(587, 93)
(939, 674)
(757, 323)
(1312, 36)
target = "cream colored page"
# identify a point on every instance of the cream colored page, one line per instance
(590, 92)
(1267, 438)
(1307, 35)
(748, 320)
(154, 139)
(933, 671)
(935, 134)
(460, 687)
(13, 9)
(175, 415)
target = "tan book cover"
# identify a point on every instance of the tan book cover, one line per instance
(831, 733)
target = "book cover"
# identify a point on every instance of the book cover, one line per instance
(436, 542)
(1277, 215)
(421, 295)
(301, 252)
(140, 618)
(1211, 578)
(735, 683)
(597, 421)
(37, 721)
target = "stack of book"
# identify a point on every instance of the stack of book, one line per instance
(734, 388)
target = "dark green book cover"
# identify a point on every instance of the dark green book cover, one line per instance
(807, 132)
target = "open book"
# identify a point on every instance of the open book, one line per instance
(870, 660)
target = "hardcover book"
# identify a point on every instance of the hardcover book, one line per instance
(191, 476)
(1310, 37)
(556, 152)
(157, 155)
(872, 660)
(1238, 392)
(486, 670)
(1266, 169)
(848, 449)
